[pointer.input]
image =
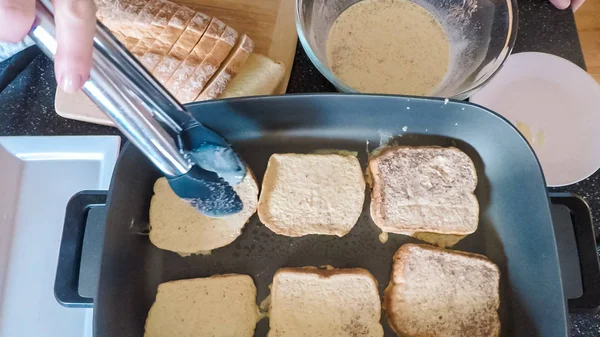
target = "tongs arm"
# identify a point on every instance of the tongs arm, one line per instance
(123, 95)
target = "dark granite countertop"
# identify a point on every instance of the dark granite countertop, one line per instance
(27, 104)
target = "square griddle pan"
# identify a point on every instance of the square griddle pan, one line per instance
(515, 229)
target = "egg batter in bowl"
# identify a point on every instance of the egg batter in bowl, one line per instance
(388, 47)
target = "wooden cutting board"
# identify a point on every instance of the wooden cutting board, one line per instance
(270, 23)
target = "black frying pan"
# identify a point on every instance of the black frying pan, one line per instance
(515, 230)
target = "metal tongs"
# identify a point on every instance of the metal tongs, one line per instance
(200, 165)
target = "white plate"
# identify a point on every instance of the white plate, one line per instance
(556, 106)
(38, 175)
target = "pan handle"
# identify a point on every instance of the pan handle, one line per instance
(79, 254)
(585, 239)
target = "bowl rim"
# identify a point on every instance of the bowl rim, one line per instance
(513, 17)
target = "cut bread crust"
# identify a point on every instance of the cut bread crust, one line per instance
(209, 66)
(180, 77)
(182, 48)
(130, 14)
(165, 41)
(140, 28)
(114, 14)
(424, 189)
(155, 29)
(311, 301)
(306, 194)
(229, 69)
(439, 292)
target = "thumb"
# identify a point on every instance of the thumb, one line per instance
(561, 4)
(16, 18)
(75, 28)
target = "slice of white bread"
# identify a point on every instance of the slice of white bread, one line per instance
(187, 41)
(219, 306)
(229, 69)
(208, 67)
(437, 292)
(165, 41)
(180, 77)
(316, 302)
(311, 194)
(178, 227)
(259, 76)
(158, 25)
(424, 189)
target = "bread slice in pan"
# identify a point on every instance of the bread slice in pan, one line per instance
(209, 66)
(424, 189)
(437, 292)
(190, 37)
(332, 303)
(229, 69)
(219, 306)
(165, 41)
(259, 76)
(178, 227)
(311, 194)
(186, 69)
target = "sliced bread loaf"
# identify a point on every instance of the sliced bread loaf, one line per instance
(311, 194)
(219, 306)
(316, 302)
(192, 60)
(424, 189)
(178, 227)
(437, 292)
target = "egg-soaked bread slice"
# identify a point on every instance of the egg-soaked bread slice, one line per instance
(424, 189)
(311, 194)
(324, 302)
(219, 306)
(437, 292)
(179, 227)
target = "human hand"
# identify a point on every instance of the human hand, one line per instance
(75, 22)
(563, 4)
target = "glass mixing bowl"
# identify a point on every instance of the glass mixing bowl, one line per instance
(481, 34)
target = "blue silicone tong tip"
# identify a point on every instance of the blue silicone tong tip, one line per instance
(206, 192)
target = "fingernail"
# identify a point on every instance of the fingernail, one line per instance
(71, 83)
